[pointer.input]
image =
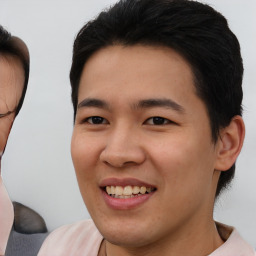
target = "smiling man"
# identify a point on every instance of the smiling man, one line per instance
(156, 88)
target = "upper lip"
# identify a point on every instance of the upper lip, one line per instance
(124, 182)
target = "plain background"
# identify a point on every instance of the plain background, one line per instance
(37, 166)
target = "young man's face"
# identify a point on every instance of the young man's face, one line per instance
(140, 126)
(11, 86)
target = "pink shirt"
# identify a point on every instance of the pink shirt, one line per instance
(6, 217)
(79, 239)
(83, 239)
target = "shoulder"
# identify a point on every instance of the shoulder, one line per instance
(234, 244)
(81, 238)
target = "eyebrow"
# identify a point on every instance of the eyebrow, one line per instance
(91, 102)
(142, 104)
(167, 103)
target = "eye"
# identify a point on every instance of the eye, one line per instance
(6, 114)
(95, 120)
(157, 120)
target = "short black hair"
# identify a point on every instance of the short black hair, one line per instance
(15, 47)
(196, 31)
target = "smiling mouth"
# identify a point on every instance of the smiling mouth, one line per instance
(128, 191)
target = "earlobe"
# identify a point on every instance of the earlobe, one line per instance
(230, 144)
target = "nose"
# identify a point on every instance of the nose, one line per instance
(123, 149)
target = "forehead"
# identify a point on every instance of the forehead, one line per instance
(11, 83)
(124, 70)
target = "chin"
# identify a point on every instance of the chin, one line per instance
(127, 233)
(126, 239)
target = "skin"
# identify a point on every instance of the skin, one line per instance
(178, 157)
(11, 86)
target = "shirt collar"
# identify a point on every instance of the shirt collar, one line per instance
(234, 244)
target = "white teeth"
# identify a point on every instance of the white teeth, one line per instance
(108, 189)
(143, 190)
(119, 190)
(136, 190)
(127, 191)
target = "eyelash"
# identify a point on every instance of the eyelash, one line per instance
(95, 118)
(155, 120)
(158, 121)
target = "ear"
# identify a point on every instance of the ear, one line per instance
(230, 143)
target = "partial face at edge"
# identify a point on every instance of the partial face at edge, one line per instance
(11, 87)
(140, 122)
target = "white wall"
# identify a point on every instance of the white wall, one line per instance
(37, 166)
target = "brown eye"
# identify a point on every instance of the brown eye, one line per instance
(157, 120)
(96, 120)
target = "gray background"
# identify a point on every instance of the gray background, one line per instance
(37, 166)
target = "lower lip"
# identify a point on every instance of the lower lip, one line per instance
(125, 203)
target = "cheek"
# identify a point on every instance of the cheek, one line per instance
(85, 151)
(182, 160)
(185, 173)
(83, 154)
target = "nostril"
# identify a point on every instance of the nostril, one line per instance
(119, 164)
(129, 163)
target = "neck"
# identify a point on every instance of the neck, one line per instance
(200, 240)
